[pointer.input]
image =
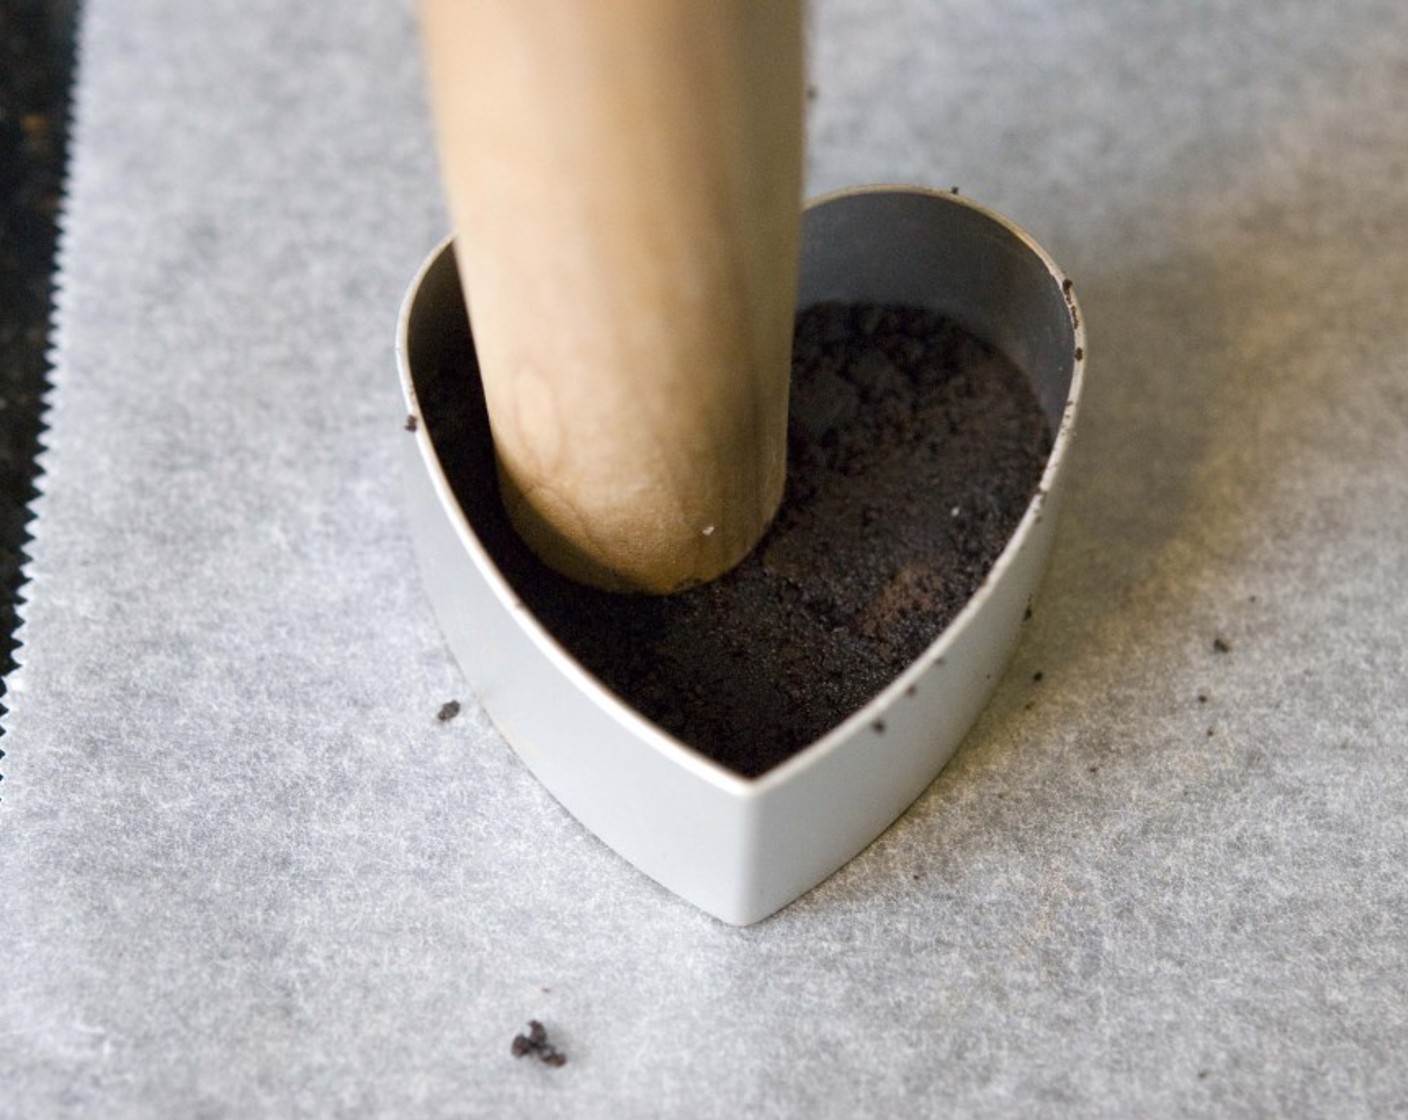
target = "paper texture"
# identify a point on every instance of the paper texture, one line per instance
(246, 872)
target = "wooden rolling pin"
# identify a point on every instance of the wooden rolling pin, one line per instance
(624, 177)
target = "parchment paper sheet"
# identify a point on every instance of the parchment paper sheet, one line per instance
(245, 872)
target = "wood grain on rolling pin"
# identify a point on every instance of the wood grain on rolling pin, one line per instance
(625, 183)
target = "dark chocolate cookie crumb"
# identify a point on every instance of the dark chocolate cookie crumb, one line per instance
(448, 711)
(536, 1042)
(897, 417)
(1220, 645)
(411, 423)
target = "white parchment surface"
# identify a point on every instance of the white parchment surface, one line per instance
(245, 872)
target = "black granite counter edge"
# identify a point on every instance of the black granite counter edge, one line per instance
(36, 71)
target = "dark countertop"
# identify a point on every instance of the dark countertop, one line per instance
(36, 59)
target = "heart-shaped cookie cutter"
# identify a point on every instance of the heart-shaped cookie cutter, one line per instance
(741, 848)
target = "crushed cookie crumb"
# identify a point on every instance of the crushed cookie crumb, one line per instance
(536, 1042)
